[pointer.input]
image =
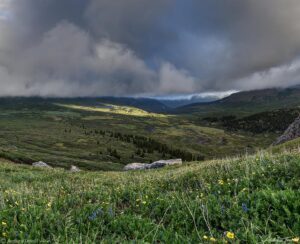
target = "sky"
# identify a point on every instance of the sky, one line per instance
(147, 48)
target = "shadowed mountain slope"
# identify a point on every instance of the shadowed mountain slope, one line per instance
(248, 102)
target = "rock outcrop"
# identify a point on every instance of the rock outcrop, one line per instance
(74, 169)
(155, 165)
(41, 164)
(292, 132)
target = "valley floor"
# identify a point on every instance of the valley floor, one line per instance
(254, 199)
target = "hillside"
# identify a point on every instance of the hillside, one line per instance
(273, 121)
(240, 200)
(247, 102)
(147, 104)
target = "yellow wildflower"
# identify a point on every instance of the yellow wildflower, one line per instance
(4, 224)
(230, 235)
(221, 182)
(4, 234)
(296, 240)
(213, 239)
(205, 237)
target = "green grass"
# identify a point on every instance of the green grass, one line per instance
(256, 198)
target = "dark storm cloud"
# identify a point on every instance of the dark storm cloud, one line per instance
(232, 39)
(123, 47)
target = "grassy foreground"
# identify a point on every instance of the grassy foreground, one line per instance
(243, 200)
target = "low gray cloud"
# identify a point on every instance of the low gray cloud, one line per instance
(129, 47)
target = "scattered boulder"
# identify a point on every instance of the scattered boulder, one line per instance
(292, 132)
(41, 164)
(136, 166)
(74, 169)
(155, 165)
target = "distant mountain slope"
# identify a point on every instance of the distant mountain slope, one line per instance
(248, 102)
(175, 103)
(147, 104)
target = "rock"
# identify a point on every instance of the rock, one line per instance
(41, 164)
(74, 169)
(155, 165)
(163, 163)
(136, 166)
(292, 132)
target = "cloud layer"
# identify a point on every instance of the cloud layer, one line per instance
(129, 47)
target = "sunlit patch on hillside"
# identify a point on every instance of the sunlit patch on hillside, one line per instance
(115, 109)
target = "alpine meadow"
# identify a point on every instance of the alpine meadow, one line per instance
(134, 121)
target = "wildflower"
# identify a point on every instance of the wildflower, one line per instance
(95, 214)
(230, 235)
(144, 202)
(296, 240)
(111, 212)
(205, 237)
(4, 234)
(212, 239)
(49, 204)
(222, 209)
(245, 208)
(221, 182)
(4, 224)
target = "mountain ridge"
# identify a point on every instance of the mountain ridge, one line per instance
(249, 101)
